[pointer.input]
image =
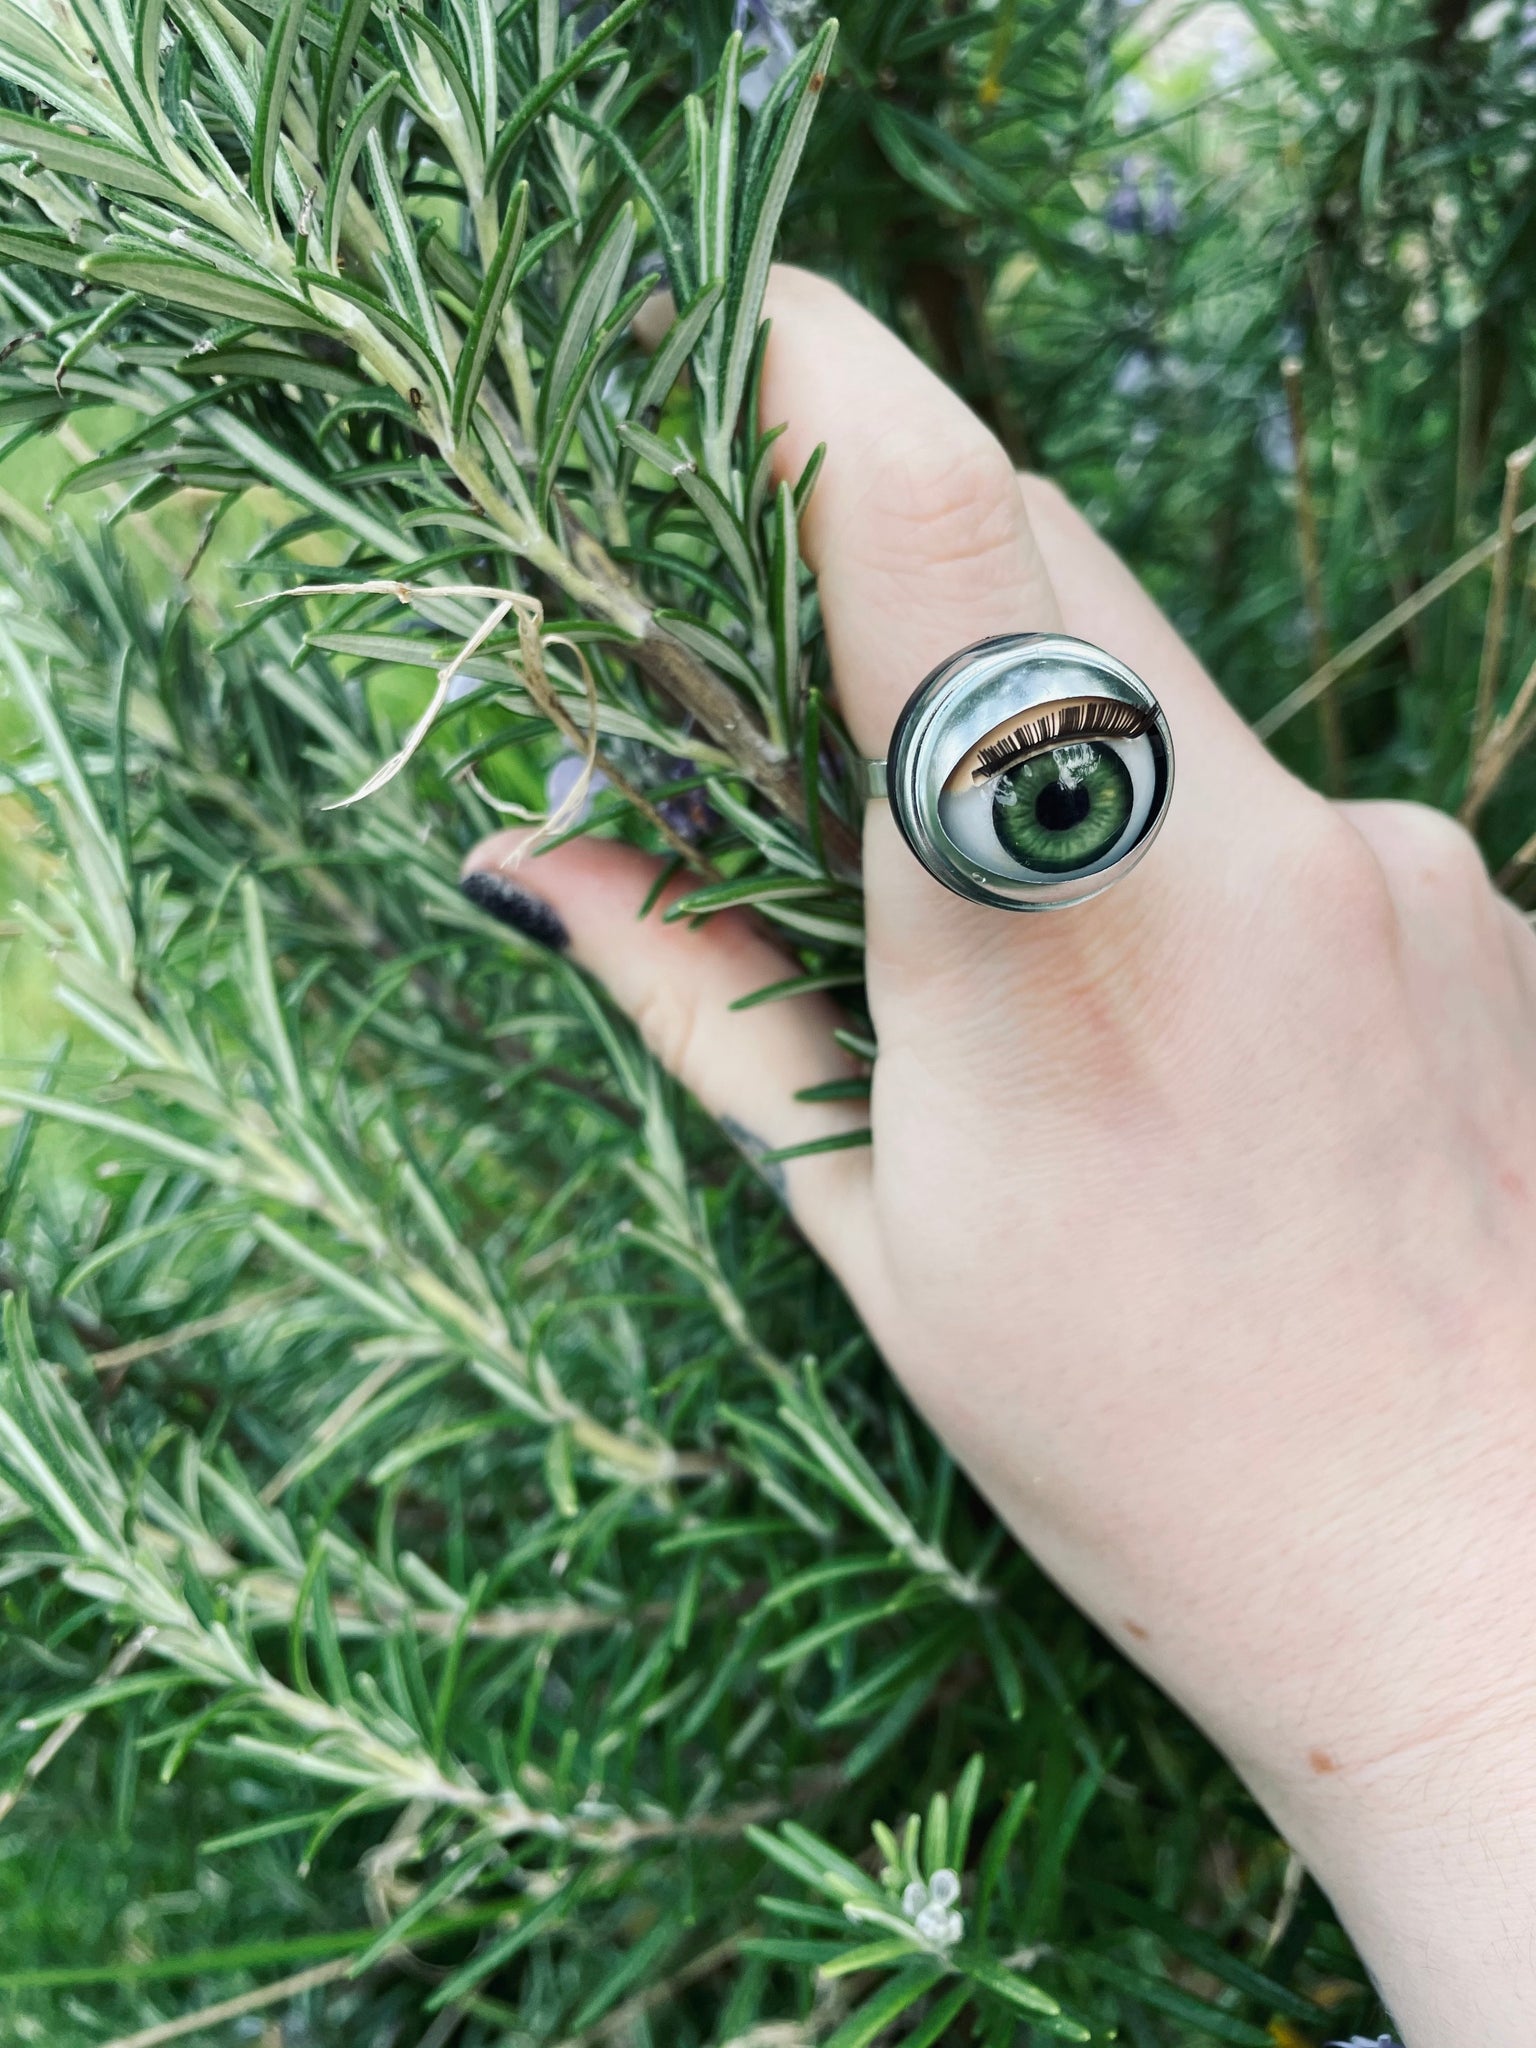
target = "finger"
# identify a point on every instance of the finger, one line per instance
(1101, 600)
(922, 538)
(916, 528)
(678, 982)
(923, 542)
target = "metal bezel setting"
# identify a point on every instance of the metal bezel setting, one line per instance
(968, 696)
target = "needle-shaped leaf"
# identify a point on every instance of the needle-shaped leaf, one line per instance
(388, 321)
(229, 74)
(880, 2012)
(787, 117)
(106, 164)
(480, 336)
(344, 157)
(432, 65)
(42, 247)
(716, 198)
(409, 285)
(149, 30)
(784, 604)
(593, 292)
(272, 101)
(184, 282)
(477, 28)
(562, 423)
(1205, 1953)
(554, 83)
(339, 72)
(673, 351)
(718, 513)
(117, 57)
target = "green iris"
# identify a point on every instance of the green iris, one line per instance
(1064, 808)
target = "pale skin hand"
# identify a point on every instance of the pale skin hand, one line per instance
(1200, 1220)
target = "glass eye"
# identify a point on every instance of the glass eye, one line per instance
(1030, 771)
(1037, 810)
(1065, 809)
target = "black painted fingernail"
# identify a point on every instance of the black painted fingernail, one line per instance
(509, 905)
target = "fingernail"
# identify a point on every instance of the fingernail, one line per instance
(509, 905)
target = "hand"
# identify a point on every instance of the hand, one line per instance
(1198, 1219)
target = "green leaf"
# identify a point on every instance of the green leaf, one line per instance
(338, 71)
(480, 337)
(871, 1955)
(148, 1137)
(266, 1006)
(676, 346)
(1006, 1984)
(274, 366)
(532, 1922)
(390, 323)
(784, 605)
(272, 102)
(715, 182)
(872, 2019)
(1164, 1997)
(727, 895)
(415, 301)
(804, 1856)
(149, 30)
(805, 985)
(42, 247)
(799, 92)
(999, 1843)
(840, 1141)
(1208, 1954)
(559, 1473)
(561, 425)
(344, 159)
(963, 1811)
(277, 468)
(550, 88)
(462, 138)
(592, 297)
(934, 2027)
(182, 282)
(86, 156)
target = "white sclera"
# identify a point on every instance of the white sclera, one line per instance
(966, 815)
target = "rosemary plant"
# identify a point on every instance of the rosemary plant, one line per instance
(463, 1575)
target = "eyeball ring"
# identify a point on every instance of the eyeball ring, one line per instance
(1029, 771)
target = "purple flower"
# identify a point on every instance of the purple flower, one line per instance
(690, 813)
(1165, 216)
(1123, 210)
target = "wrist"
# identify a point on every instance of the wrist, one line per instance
(1430, 1861)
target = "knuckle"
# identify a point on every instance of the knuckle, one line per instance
(1423, 850)
(1333, 878)
(950, 484)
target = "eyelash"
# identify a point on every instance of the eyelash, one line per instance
(1104, 718)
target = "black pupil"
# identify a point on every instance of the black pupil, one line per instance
(1061, 805)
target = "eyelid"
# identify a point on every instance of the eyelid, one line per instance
(1077, 718)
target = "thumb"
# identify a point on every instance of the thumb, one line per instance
(750, 1068)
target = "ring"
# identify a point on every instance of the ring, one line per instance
(1029, 771)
